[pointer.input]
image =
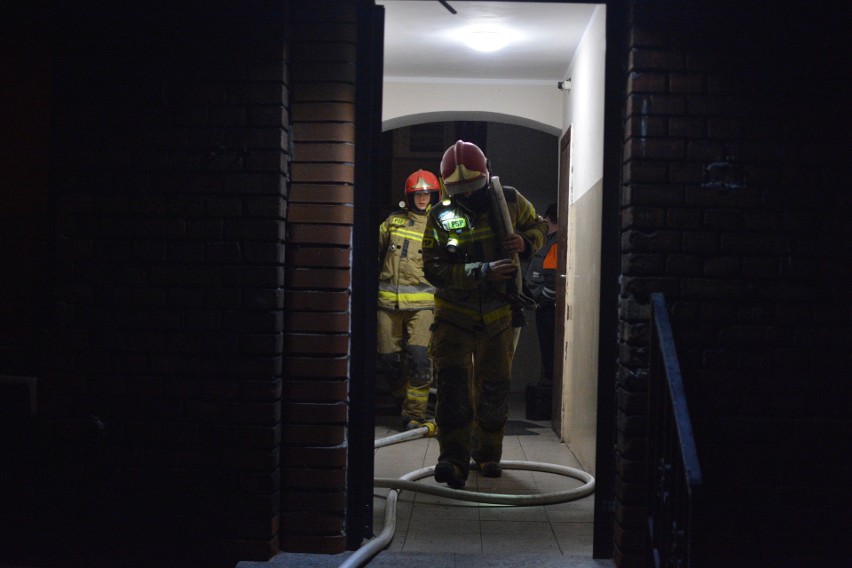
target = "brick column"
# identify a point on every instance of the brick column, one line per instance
(320, 217)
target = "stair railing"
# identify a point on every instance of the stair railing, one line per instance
(673, 470)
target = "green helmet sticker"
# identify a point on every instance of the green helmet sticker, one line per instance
(454, 223)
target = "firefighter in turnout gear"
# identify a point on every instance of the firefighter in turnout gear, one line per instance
(472, 338)
(406, 301)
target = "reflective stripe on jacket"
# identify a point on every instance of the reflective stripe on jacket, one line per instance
(457, 244)
(402, 285)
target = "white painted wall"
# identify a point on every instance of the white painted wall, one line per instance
(584, 113)
(584, 105)
(535, 105)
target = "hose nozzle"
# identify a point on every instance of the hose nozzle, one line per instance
(432, 429)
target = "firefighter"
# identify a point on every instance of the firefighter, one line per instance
(472, 337)
(406, 302)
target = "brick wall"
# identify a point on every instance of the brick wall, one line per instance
(750, 258)
(161, 395)
(319, 278)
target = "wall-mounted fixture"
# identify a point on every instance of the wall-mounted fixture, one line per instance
(564, 85)
(724, 173)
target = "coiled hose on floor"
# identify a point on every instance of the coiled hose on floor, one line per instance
(408, 481)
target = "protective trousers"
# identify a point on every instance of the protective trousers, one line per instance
(473, 376)
(403, 344)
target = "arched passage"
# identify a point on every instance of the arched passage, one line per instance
(456, 115)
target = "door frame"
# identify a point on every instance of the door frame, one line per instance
(362, 367)
(615, 79)
(616, 60)
(561, 349)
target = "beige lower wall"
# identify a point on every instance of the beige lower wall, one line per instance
(580, 377)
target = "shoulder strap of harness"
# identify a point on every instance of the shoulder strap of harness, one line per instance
(510, 193)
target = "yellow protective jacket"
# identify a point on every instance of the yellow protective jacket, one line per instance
(457, 246)
(402, 285)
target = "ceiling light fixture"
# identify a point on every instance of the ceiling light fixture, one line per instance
(486, 40)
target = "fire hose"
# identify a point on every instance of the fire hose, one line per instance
(505, 227)
(409, 482)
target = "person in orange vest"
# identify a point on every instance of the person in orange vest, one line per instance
(541, 281)
(407, 301)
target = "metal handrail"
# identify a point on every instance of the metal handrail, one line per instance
(673, 468)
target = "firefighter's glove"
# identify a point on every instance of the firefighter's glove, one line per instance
(514, 243)
(498, 270)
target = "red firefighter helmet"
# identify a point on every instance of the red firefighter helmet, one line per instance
(464, 168)
(422, 181)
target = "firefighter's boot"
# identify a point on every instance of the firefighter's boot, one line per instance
(451, 474)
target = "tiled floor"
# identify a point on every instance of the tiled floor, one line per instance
(440, 532)
(436, 524)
